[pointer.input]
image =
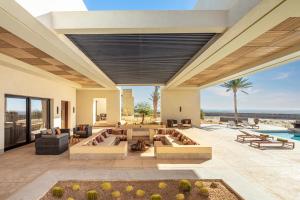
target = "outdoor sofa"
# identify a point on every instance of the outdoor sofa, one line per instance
(246, 124)
(100, 146)
(172, 123)
(174, 144)
(52, 141)
(83, 130)
(186, 123)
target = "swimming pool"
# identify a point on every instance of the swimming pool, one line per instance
(281, 134)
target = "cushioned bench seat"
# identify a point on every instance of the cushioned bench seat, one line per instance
(171, 148)
(103, 150)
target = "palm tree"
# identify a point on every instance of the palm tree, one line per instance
(237, 85)
(155, 98)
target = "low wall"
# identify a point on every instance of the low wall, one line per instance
(182, 152)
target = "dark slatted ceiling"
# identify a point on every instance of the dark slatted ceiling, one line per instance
(140, 58)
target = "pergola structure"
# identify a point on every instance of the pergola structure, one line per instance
(76, 56)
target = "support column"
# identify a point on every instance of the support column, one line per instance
(2, 113)
(180, 104)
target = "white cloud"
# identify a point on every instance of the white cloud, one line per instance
(282, 76)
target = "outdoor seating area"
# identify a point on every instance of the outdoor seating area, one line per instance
(149, 100)
(111, 143)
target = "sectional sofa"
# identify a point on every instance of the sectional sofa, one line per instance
(100, 146)
(174, 144)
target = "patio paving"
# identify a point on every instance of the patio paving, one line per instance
(253, 173)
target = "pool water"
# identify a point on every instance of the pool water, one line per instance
(281, 134)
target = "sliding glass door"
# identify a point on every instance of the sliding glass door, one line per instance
(15, 121)
(24, 117)
(39, 116)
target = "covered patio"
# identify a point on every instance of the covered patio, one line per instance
(58, 67)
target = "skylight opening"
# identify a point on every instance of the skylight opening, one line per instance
(140, 4)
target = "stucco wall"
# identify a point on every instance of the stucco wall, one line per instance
(20, 83)
(188, 99)
(85, 105)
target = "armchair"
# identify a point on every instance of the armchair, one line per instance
(186, 123)
(83, 131)
(172, 123)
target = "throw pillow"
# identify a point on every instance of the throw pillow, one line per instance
(185, 141)
(49, 132)
(179, 137)
(82, 127)
(102, 138)
(190, 142)
(57, 131)
(176, 133)
(104, 134)
(117, 141)
(95, 142)
(99, 139)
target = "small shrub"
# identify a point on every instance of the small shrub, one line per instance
(116, 194)
(70, 198)
(199, 184)
(204, 192)
(106, 186)
(185, 186)
(180, 196)
(156, 197)
(140, 193)
(129, 188)
(162, 185)
(75, 187)
(92, 195)
(214, 185)
(58, 192)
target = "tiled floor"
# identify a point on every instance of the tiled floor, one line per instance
(255, 174)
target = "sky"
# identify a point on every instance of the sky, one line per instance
(140, 4)
(273, 89)
(19, 104)
(141, 93)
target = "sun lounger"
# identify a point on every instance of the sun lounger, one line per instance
(232, 124)
(248, 137)
(280, 143)
(246, 124)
